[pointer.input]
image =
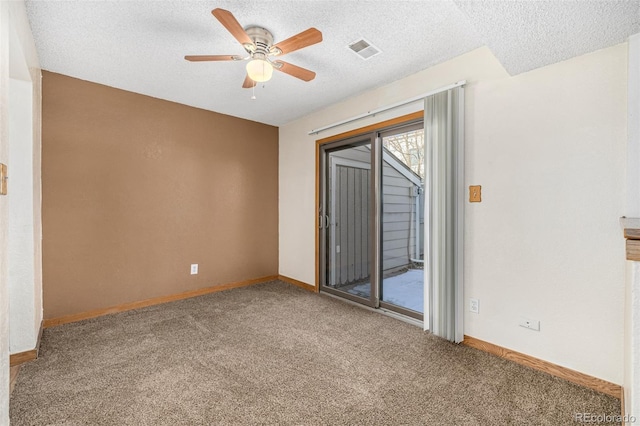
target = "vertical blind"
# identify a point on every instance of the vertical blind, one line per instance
(444, 207)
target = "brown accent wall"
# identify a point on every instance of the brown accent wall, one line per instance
(135, 189)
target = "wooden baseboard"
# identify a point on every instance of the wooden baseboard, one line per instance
(52, 322)
(13, 377)
(573, 376)
(22, 357)
(297, 283)
(39, 338)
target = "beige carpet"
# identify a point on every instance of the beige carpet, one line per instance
(276, 354)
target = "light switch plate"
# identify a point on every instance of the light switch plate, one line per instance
(3, 179)
(475, 193)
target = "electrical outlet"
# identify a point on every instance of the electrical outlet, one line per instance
(474, 306)
(194, 269)
(529, 323)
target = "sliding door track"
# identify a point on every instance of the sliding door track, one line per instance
(381, 310)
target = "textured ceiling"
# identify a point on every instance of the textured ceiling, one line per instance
(140, 45)
(525, 35)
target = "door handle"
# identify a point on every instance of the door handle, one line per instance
(320, 225)
(326, 221)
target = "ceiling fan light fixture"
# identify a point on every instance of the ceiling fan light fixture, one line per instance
(259, 70)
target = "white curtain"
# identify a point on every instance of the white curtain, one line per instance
(444, 213)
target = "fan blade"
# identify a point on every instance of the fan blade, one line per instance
(298, 41)
(197, 58)
(232, 25)
(294, 70)
(248, 83)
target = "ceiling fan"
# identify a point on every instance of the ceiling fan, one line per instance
(258, 42)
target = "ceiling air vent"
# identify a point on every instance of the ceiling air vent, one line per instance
(364, 49)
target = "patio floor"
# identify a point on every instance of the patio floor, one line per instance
(405, 290)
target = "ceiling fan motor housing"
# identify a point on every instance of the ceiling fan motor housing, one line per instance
(262, 42)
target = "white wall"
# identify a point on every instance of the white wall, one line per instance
(632, 340)
(17, 54)
(633, 122)
(22, 289)
(24, 235)
(548, 147)
(632, 295)
(4, 214)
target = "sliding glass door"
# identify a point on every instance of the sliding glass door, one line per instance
(402, 220)
(371, 219)
(346, 220)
